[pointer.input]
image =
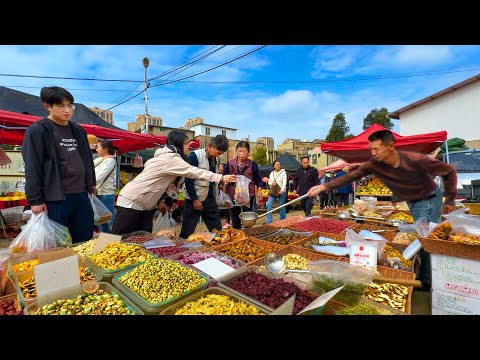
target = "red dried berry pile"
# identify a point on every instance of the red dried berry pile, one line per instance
(167, 250)
(271, 292)
(323, 225)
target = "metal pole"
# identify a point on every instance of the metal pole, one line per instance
(146, 62)
(446, 152)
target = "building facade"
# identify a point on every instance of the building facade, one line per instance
(455, 109)
(202, 129)
(140, 123)
(106, 115)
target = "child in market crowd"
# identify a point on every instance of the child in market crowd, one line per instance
(138, 200)
(277, 177)
(410, 177)
(106, 175)
(59, 168)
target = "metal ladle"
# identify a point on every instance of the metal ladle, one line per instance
(249, 218)
(275, 264)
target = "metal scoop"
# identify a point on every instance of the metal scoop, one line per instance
(249, 218)
(275, 264)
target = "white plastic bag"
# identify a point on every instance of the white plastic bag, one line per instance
(101, 214)
(224, 201)
(242, 195)
(165, 226)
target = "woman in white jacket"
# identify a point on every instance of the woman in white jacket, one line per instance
(138, 200)
(106, 174)
(277, 177)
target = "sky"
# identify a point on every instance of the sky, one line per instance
(278, 91)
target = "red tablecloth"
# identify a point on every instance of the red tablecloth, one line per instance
(13, 203)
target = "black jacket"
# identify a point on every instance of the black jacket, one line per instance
(42, 169)
(305, 179)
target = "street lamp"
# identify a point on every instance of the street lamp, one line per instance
(146, 62)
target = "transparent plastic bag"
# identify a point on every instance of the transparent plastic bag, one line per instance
(165, 226)
(101, 214)
(422, 227)
(224, 201)
(242, 195)
(356, 241)
(40, 233)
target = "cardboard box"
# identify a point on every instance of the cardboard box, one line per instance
(456, 275)
(445, 301)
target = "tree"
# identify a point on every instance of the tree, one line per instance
(339, 128)
(260, 156)
(378, 117)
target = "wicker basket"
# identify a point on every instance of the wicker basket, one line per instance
(13, 297)
(473, 208)
(451, 248)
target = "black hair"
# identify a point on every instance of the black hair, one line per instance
(275, 161)
(55, 95)
(244, 144)
(305, 157)
(176, 140)
(107, 144)
(220, 143)
(385, 136)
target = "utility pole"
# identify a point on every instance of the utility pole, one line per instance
(146, 62)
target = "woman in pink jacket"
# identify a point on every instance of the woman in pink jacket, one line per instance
(138, 200)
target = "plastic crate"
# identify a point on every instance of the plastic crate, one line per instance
(73, 292)
(155, 308)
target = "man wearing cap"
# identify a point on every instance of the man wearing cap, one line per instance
(93, 142)
(200, 195)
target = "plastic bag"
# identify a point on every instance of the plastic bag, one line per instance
(40, 233)
(464, 224)
(224, 201)
(101, 214)
(165, 226)
(242, 195)
(422, 227)
(356, 241)
(329, 275)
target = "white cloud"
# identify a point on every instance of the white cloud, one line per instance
(409, 55)
(291, 101)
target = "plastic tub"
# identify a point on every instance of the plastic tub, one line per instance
(170, 310)
(224, 283)
(73, 292)
(107, 275)
(19, 258)
(155, 308)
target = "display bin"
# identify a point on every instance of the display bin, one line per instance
(107, 275)
(259, 230)
(14, 298)
(227, 249)
(451, 248)
(213, 281)
(28, 274)
(19, 258)
(136, 233)
(148, 307)
(73, 292)
(291, 249)
(304, 235)
(332, 306)
(351, 225)
(172, 309)
(338, 237)
(224, 283)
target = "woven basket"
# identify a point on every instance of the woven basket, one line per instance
(473, 208)
(13, 297)
(451, 248)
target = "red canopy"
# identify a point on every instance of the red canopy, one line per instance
(13, 126)
(356, 149)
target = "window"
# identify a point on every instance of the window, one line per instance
(224, 132)
(207, 131)
(314, 158)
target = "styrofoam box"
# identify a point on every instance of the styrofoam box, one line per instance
(444, 301)
(456, 275)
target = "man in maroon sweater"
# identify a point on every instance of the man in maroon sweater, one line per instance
(410, 177)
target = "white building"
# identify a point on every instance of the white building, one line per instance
(455, 109)
(203, 129)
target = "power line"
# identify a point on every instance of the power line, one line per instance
(210, 69)
(67, 78)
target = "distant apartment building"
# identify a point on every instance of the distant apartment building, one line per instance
(140, 124)
(106, 115)
(267, 142)
(299, 148)
(202, 129)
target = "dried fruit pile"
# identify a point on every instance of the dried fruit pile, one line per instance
(392, 294)
(213, 304)
(115, 256)
(193, 258)
(324, 225)
(168, 250)
(290, 221)
(246, 251)
(138, 239)
(259, 230)
(7, 307)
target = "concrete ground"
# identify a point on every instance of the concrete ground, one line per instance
(421, 300)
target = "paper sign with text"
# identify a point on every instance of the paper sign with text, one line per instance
(213, 267)
(104, 239)
(57, 275)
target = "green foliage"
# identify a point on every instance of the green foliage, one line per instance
(379, 117)
(339, 128)
(260, 156)
(7, 147)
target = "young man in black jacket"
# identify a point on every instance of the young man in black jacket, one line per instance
(59, 169)
(305, 177)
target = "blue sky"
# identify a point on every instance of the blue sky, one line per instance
(347, 81)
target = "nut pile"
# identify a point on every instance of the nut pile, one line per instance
(285, 239)
(115, 256)
(137, 239)
(157, 280)
(392, 294)
(259, 230)
(465, 238)
(86, 248)
(98, 303)
(295, 261)
(405, 238)
(213, 304)
(246, 251)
